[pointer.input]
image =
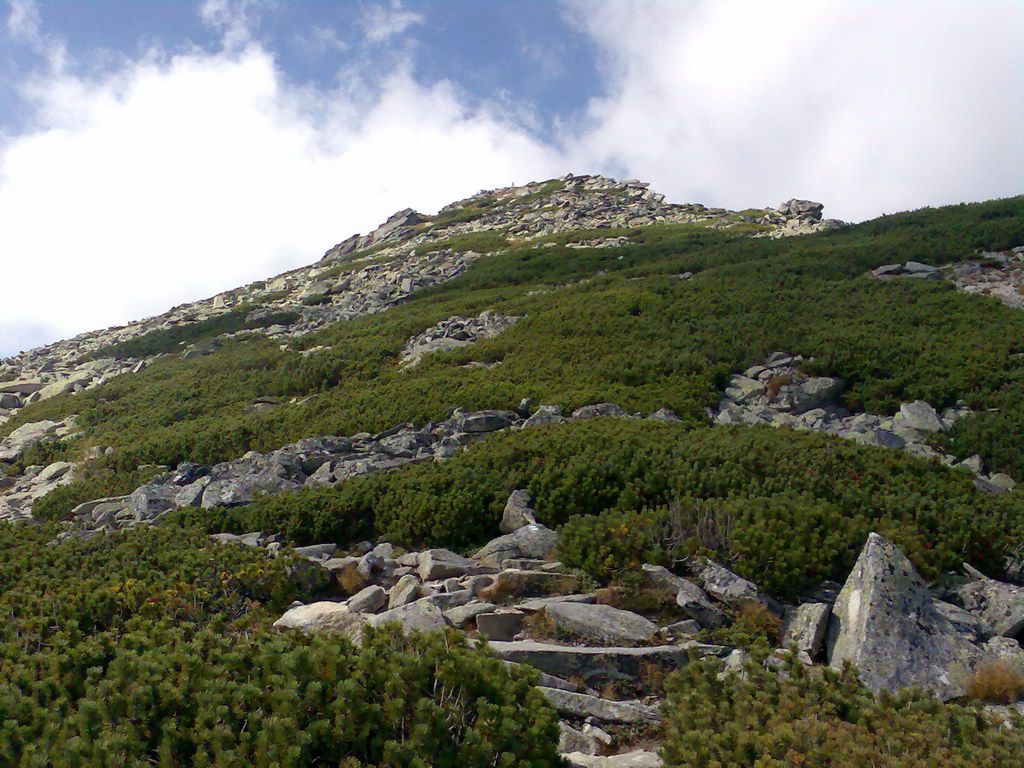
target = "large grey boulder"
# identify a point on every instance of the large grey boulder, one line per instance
(322, 617)
(885, 623)
(810, 394)
(517, 513)
(530, 541)
(601, 623)
(598, 665)
(920, 415)
(638, 758)
(437, 564)
(999, 606)
(368, 600)
(419, 616)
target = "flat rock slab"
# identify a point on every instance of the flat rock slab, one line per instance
(601, 623)
(540, 603)
(597, 665)
(636, 759)
(884, 621)
(584, 705)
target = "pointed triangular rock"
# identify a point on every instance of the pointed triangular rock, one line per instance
(884, 622)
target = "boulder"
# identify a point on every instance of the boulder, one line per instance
(545, 415)
(530, 541)
(999, 606)
(726, 586)
(419, 616)
(598, 665)
(920, 415)
(638, 758)
(484, 421)
(406, 590)
(600, 410)
(601, 623)
(25, 436)
(517, 512)
(584, 706)
(803, 208)
(571, 740)
(322, 617)
(805, 627)
(460, 614)
(884, 621)
(437, 564)
(368, 600)
(688, 595)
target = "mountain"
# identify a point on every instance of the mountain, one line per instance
(712, 483)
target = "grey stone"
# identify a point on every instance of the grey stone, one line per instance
(437, 564)
(420, 616)
(600, 410)
(741, 389)
(316, 551)
(540, 603)
(571, 740)
(916, 267)
(964, 622)
(460, 614)
(999, 606)
(584, 705)
(484, 421)
(544, 416)
(500, 625)
(688, 595)
(599, 665)
(884, 621)
(664, 415)
(684, 628)
(805, 627)
(406, 590)
(887, 269)
(601, 623)
(517, 512)
(368, 600)
(530, 541)
(920, 415)
(322, 617)
(638, 758)
(724, 585)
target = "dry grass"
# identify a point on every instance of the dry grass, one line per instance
(996, 682)
(539, 626)
(775, 383)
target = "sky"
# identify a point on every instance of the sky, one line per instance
(154, 152)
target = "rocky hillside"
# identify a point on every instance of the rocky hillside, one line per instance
(563, 474)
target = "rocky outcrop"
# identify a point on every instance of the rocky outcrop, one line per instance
(777, 393)
(454, 333)
(998, 606)
(884, 622)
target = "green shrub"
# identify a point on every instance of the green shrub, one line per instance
(160, 697)
(821, 718)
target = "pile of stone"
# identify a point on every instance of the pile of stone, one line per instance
(797, 217)
(914, 269)
(455, 332)
(513, 593)
(778, 393)
(996, 274)
(317, 462)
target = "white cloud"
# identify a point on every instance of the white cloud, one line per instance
(23, 20)
(866, 106)
(383, 22)
(173, 179)
(169, 179)
(236, 20)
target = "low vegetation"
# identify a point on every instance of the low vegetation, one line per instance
(821, 717)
